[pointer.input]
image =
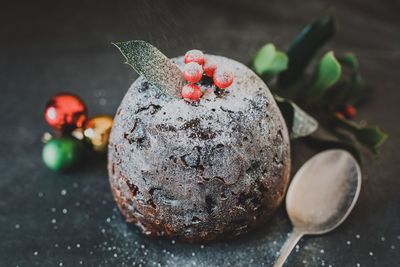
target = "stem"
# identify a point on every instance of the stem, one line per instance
(288, 247)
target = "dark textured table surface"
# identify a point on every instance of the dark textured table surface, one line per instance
(51, 219)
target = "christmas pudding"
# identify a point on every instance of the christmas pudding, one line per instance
(199, 150)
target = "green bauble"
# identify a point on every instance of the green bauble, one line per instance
(61, 154)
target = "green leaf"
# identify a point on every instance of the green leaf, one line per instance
(153, 65)
(326, 75)
(304, 46)
(269, 62)
(370, 137)
(279, 63)
(299, 123)
(349, 60)
(350, 89)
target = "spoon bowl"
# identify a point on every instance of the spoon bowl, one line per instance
(321, 195)
(324, 191)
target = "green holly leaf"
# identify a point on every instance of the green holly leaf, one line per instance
(304, 46)
(326, 75)
(351, 87)
(370, 137)
(269, 62)
(349, 60)
(153, 65)
(299, 123)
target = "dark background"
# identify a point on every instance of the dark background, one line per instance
(52, 219)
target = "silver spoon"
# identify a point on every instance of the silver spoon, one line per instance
(321, 196)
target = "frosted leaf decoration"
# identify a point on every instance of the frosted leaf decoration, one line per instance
(153, 65)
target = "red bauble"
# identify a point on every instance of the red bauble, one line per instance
(65, 112)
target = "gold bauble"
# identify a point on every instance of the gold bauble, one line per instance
(97, 131)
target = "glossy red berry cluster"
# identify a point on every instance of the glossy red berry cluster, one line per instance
(197, 66)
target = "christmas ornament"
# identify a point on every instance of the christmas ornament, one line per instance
(97, 130)
(61, 154)
(65, 112)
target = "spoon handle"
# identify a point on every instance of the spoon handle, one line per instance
(288, 246)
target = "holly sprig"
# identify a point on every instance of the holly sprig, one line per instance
(320, 105)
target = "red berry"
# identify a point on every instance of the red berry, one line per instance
(65, 112)
(192, 72)
(191, 92)
(209, 67)
(223, 78)
(194, 56)
(339, 115)
(350, 111)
